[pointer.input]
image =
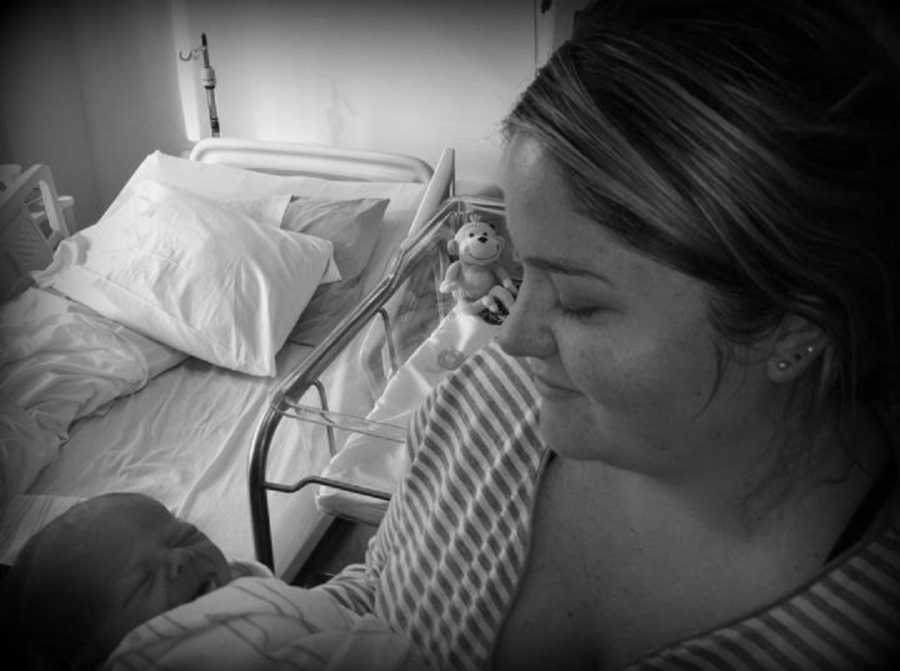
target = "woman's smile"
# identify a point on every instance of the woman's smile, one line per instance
(551, 389)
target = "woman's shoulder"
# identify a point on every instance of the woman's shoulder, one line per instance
(848, 616)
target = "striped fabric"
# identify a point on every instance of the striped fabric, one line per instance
(848, 619)
(446, 562)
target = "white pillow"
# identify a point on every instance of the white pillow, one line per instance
(351, 226)
(197, 275)
(222, 182)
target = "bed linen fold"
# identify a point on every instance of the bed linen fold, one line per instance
(61, 361)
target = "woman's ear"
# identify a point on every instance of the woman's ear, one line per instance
(795, 345)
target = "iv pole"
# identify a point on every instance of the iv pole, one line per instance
(208, 79)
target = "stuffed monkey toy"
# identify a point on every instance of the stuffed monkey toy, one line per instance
(477, 271)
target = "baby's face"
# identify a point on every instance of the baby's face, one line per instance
(149, 561)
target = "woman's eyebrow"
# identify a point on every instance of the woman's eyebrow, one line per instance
(566, 266)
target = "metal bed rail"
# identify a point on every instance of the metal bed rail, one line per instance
(427, 240)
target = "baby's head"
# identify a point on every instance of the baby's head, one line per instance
(103, 567)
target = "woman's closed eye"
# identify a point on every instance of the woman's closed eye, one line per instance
(581, 311)
(578, 298)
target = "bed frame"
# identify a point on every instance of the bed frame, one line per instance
(291, 158)
(313, 160)
(31, 225)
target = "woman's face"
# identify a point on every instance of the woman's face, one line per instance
(620, 346)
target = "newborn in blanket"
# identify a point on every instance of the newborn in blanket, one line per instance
(123, 563)
(263, 623)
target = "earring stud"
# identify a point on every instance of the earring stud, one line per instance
(809, 349)
(782, 365)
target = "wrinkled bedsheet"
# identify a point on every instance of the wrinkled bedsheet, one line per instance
(60, 361)
(256, 623)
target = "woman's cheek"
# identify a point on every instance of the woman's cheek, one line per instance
(620, 369)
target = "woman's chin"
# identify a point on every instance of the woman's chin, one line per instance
(567, 435)
(573, 433)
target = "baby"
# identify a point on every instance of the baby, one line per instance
(116, 582)
(103, 567)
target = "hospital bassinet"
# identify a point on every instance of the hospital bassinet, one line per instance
(406, 336)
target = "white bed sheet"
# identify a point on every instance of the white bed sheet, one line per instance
(185, 439)
(60, 361)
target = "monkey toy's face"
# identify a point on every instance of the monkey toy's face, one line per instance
(477, 243)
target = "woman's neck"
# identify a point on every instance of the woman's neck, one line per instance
(809, 471)
(801, 492)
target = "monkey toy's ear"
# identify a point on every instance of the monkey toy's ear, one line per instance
(453, 247)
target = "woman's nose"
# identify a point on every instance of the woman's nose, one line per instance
(525, 331)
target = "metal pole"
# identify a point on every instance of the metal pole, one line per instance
(208, 78)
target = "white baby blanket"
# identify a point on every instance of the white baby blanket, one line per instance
(257, 623)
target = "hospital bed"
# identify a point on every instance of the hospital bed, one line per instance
(102, 406)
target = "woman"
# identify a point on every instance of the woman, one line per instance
(677, 456)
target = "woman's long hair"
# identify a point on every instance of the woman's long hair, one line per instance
(753, 145)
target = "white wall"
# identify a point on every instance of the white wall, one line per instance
(410, 77)
(126, 56)
(41, 109)
(90, 87)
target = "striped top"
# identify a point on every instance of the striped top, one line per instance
(446, 562)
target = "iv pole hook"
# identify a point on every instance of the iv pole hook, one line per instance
(208, 79)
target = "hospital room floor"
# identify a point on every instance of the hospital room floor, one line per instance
(344, 543)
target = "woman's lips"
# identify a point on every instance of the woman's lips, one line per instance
(549, 389)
